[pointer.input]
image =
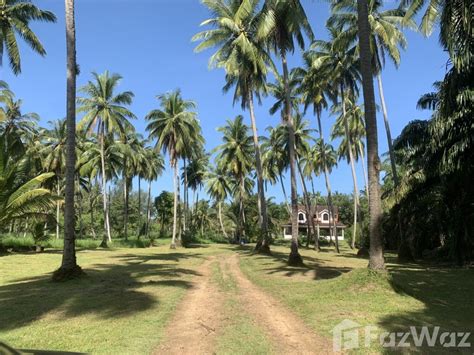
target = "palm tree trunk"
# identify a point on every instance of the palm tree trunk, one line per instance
(309, 214)
(263, 244)
(242, 211)
(376, 260)
(107, 237)
(148, 211)
(174, 166)
(220, 220)
(91, 205)
(69, 267)
(58, 206)
(404, 252)
(125, 206)
(185, 192)
(364, 170)
(294, 257)
(139, 206)
(353, 171)
(284, 193)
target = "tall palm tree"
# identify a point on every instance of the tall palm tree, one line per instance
(243, 56)
(386, 39)
(235, 157)
(286, 22)
(69, 267)
(15, 18)
(353, 118)
(54, 152)
(339, 58)
(154, 168)
(218, 188)
(315, 86)
(376, 260)
(173, 126)
(106, 112)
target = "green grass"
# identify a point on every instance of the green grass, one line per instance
(121, 306)
(334, 287)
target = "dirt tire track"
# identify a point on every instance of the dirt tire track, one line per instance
(286, 331)
(197, 319)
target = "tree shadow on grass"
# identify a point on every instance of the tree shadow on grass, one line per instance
(108, 290)
(446, 294)
(314, 268)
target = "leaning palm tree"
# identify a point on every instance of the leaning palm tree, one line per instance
(106, 112)
(376, 260)
(218, 188)
(15, 18)
(285, 21)
(69, 267)
(243, 56)
(235, 158)
(173, 126)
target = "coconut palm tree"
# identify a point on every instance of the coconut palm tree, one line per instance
(154, 169)
(173, 126)
(243, 56)
(69, 267)
(15, 19)
(218, 188)
(386, 39)
(18, 127)
(376, 261)
(22, 196)
(285, 22)
(235, 158)
(337, 57)
(354, 119)
(432, 14)
(54, 152)
(315, 85)
(106, 112)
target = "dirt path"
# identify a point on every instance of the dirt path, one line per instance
(287, 332)
(197, 319)
(201, 316)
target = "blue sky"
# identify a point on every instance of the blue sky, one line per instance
(149, 43)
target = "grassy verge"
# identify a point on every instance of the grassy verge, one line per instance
(334, 287)
(121, 306)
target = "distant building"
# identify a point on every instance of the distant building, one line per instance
(322, 219)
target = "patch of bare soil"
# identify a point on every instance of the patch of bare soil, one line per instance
(287, 332)
(197, 320)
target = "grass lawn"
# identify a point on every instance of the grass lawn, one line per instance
(124, 303)
(120, 307)
(334, 287)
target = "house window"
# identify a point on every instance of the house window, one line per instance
(288, 230)
(325, 217)
(301, 216)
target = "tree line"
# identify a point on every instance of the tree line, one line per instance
(249, 38)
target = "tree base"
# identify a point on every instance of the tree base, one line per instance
(263, 249)
(104, 244)
(404, 253)
(295, 259)
(64, 274)
(173, 246)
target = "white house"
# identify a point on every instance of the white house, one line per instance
(322, 219)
